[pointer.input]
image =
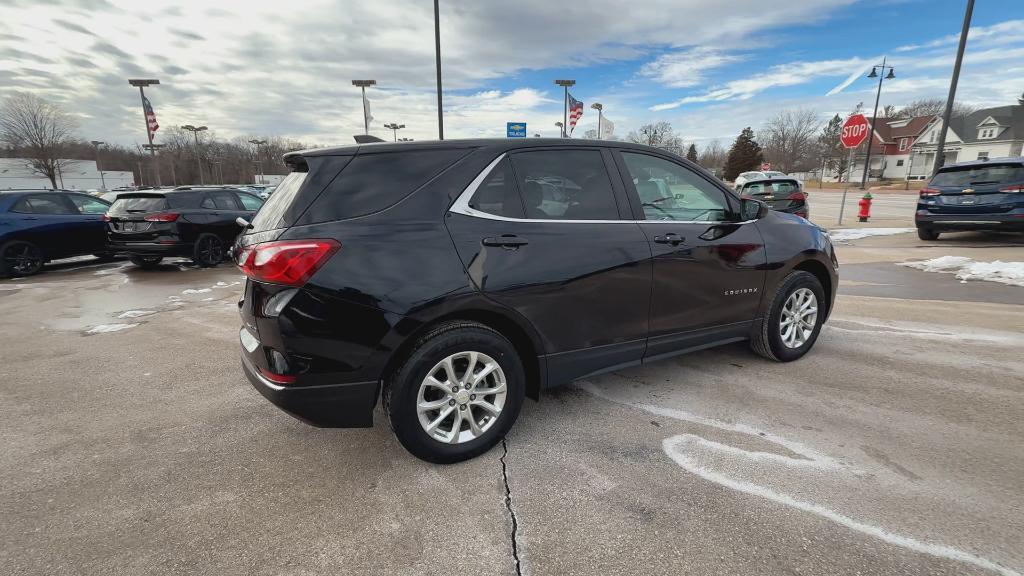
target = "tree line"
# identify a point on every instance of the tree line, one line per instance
(47, 138)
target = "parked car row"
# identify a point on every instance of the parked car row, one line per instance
(37, 226)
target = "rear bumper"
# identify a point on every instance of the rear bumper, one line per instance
(1008, 221)
(326, 406)
(149, 248)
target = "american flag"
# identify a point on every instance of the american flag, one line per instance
(575, 111)
(150, 115)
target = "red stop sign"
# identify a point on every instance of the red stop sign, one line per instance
(855, 130)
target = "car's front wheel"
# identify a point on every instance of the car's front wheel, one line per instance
(457, 394)
(794, 318)
(927, 234)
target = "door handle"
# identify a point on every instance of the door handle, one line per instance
(673, 239)
(510, 241)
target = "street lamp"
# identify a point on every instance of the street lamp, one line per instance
(599, 107)
(142, 83)
(259, 159)
(96, 144)
(366, 110)
(561, 128)
(565, 105)
(874, 117)
(195, 130)
(394, 127)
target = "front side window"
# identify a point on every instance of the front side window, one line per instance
(87, 205)
(498, 194)
(249, 202)
(669, 191)
(565, 185)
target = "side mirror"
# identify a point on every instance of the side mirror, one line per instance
(243, 223)
(752, 209)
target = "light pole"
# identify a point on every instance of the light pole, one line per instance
(565, 104)
(96, 144)
(153, 148)
(366, 110)
(941, 146)
(195, 130)
(874, 116)
(597, 106)
(394, 127)
(218, 171)
(437, 65)
(142, 83)
(259, 159)
(561, 129)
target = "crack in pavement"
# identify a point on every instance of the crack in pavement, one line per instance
(508, 506)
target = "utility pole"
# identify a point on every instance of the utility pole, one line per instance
(874, 117)
(437, 64)
(142, 83)
(940, 149)
(565, 104)
(259, 158)
(366, 111)
(597, 106)
(195, 130)
(96, 144)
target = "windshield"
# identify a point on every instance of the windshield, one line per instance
(979, 175)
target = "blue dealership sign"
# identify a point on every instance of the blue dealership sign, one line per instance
(516, 129)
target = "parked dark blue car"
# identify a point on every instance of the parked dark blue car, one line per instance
(37, 226)
(976, 195)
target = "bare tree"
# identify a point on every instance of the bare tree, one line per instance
(933, 107)
(659, 135)
(712, 156)
(789, 139)
(39, 130)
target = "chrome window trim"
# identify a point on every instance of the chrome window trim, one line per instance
(461, 206)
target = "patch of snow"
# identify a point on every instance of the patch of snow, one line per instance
(847, 234)
(135, 313)
(220, 284)
(106, 328)
(195, 291)
(965, 269)
(208, 299)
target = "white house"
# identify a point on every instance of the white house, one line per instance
(989, 133)
(76, 175)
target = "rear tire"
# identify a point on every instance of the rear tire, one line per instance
(208, 250)
(794, 319)
(927, 234)
(147, 262)
(20, 258)
(480, 360)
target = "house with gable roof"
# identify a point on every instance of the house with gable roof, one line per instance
(988, 133)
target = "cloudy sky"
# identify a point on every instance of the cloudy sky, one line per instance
(710, 67)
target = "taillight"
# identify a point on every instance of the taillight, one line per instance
(105, 218)
(164, 217)
(798, 196)
(288, 262)
(1014, 188)
(927, 192)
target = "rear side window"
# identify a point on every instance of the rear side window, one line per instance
(498, 194)
(137, 204)
(373, 182)
(980, 175)
(565, 185)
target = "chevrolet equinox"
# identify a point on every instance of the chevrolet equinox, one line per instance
(454, 278)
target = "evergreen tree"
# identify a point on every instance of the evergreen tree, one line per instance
(744, 155)
(691, 154)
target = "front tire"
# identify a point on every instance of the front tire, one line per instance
(457, 394)
(794, 319)
(208, 250)
(927, 234)
(20, 258)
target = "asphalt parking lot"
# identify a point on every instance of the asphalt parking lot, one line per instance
(134, 445)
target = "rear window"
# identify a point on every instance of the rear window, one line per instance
(138, 204)
(979, 175)
(373, 182)
(775, 187)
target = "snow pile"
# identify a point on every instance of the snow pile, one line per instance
(195, 291)
(135, 313)
(105, 328)
(847, 234)
(965, 268)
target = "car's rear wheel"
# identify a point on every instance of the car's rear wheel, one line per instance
(927, 234)
(208, 250)
(457, 394)
(146, 261)
(794, 319)
(20, 258)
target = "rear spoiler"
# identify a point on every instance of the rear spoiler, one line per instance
(366, 139)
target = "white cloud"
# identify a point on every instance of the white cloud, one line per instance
(686, 68)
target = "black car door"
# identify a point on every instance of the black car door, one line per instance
(91, 230)
(548, 234)
(222, 208)
(708, 265)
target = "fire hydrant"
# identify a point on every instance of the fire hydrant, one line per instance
(865, 207)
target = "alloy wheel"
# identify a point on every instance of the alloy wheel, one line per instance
(799, 317)
(23, 258)
(211, 250)
(461, 397)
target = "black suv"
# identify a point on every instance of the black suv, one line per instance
(977, 195)
(197, 223)
(454, 278)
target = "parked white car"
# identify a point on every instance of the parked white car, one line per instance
(748, 176)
